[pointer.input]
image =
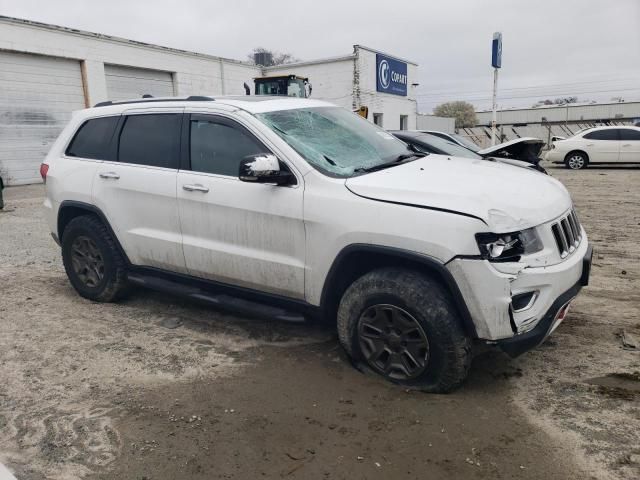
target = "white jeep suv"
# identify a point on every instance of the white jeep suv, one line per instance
(293, 208)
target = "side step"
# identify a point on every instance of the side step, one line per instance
(223, 301)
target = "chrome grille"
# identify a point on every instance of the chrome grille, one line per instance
(567, 233)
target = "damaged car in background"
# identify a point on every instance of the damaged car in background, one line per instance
(295, 208)
(429, 143)
(525, 149)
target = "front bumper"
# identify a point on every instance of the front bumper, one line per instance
(519, 344)
(488, 289)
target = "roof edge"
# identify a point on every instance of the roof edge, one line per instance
(122, 40)
(373, 50)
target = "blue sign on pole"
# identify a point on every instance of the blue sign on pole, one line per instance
(496, 50)
(391, 76)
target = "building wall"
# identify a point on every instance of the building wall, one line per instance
(432, 122)
(194, 74)
(350, 82)
(392, 106)
(331, 79)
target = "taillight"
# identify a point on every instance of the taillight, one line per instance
(44, 169)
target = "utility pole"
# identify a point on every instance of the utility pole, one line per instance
(496, 63)
(495, 107)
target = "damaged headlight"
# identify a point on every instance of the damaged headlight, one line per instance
(508, 247)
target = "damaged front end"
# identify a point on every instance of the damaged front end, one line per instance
(520, 287)
(525, 149)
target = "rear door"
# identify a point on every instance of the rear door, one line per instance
(244, 234)
(136, 190)
(629, 145)
(602, 145)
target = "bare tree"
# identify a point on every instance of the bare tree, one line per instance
(277, 58)
(463, 112)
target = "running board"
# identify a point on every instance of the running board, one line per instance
(223, 301)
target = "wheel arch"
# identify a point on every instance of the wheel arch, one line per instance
(576, 150)
(356, 260)
(70, 209)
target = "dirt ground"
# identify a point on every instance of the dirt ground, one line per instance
(156, 387)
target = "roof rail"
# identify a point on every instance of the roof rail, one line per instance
(192, 98)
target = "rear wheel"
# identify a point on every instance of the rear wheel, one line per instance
(404, 326)
(94, 265)
(576, 160)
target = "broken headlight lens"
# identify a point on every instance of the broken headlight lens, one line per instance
(508, 247)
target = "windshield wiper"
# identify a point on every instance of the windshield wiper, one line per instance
(398, 160)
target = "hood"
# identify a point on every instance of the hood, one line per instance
(526, 149)
(505, 197)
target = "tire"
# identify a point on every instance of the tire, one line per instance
(405, 298)
(576, 160)
(95, 267)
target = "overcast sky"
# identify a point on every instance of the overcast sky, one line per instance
(551, 48)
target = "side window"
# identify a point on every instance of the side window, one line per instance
(93, 139)
(151, 139)
(608, 134)
(217, 147)
(629, 134)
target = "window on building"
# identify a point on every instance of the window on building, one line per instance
(152, 140)
(93, 139)
(629, 134)
(377, 119)
(404, 122)
(607, 134)
(217, 147)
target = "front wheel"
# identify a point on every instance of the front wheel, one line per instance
(576, 161)
(404, 326)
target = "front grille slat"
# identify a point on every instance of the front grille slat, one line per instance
(567, 234)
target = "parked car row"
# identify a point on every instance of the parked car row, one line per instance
(596, 145)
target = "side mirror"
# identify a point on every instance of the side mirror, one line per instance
(264, 168)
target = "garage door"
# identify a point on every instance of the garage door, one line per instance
(37, 96)
(125, 83)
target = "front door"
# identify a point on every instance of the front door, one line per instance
(244, 234)
(603, 145)
(629, 145)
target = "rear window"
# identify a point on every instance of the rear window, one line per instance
(608, 134)
(93, 139)
(152, 139)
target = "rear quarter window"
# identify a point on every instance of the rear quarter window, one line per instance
(93, 139)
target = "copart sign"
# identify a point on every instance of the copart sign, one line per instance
(391, 76)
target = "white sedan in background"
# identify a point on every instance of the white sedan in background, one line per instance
(619, 144)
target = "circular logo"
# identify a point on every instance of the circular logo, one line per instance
(384, 74)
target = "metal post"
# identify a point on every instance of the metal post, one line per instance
(495, 107)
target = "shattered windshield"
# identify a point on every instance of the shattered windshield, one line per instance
(334, 140)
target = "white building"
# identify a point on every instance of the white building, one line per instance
(47, 71)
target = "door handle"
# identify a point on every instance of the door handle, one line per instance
(626, 145)
(196, 187)
(113, 175)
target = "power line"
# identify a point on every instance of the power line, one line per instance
(455, 91)
(575, 93)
